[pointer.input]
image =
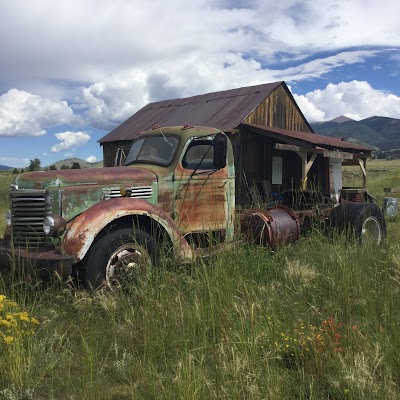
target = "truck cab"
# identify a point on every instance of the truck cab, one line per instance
(195, 173)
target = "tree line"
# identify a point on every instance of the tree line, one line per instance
(36, 165)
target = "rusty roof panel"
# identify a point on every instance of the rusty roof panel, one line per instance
(310, 138)
(223, 110)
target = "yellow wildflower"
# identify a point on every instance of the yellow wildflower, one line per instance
(8, 339)
(5, 323)
(14, 323)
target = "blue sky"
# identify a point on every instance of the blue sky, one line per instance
(72, 71)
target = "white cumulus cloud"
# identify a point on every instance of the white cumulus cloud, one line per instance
(355, 99)
(25, 114)
(91, 159)
(70, 140)
(112, 101)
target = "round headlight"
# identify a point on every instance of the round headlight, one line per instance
(48, 225)
(54, 225)
(8, 217)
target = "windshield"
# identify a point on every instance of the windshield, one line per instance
(153, 149)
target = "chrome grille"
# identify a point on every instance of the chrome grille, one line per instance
(28, 210)
(139, 192)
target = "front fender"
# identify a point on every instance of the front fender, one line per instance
(82, 231)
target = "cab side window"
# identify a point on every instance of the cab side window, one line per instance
(199, 155)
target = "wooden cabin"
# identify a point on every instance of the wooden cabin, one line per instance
(273, 143)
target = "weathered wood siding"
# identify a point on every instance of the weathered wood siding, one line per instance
(110, 150)
(255, 152)
(279, 110)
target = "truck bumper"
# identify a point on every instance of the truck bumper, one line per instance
(43, 262)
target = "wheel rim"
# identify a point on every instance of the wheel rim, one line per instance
(127, 265)
(371, 231)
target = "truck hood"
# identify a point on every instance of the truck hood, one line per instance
(90, 176)
(74, 191)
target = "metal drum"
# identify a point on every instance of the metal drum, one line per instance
(273, 228)
(390, 207)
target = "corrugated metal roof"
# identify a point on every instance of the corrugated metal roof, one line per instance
(223, 110)
(310, 138)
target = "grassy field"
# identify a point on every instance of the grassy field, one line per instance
(316, 320)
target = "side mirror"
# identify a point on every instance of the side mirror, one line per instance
(220, 149)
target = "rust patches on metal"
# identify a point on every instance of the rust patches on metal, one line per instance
(272, 228)
(83, 230)
(200, 200)
(165, 200)
(49, 261)
(87, 176)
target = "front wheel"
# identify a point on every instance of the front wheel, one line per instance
(121, 258)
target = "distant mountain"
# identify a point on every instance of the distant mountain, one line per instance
(379, 132)
(342, 119)
(5, 168)
(70, 161)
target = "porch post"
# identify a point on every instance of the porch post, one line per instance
(363, 165)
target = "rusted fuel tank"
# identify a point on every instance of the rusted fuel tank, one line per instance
(272, 228)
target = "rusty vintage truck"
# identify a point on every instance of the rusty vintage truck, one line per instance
(176, 187)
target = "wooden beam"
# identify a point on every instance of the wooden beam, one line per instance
(296, 148)
(311, 162)
(363, 165)
(361, 162)
(303, 156)
(331, 180)
(338, 154)
(290, 147)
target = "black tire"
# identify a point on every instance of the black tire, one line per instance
(368, 223)
(364, 220)
(340, 217)
(120, 258)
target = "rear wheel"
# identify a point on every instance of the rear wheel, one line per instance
(365, 220)
(121, 258)
(369, 223)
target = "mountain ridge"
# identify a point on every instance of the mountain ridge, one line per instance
(70, 161)
(381, 133)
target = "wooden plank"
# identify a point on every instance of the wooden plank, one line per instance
(338, 154)
(290, 147)
(363, 165)
(311, 162)
(303, 156)
(361, 162)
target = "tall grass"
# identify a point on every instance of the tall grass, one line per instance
(6, 178)
(315, 320)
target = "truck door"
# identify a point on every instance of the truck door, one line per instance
(200, 190)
